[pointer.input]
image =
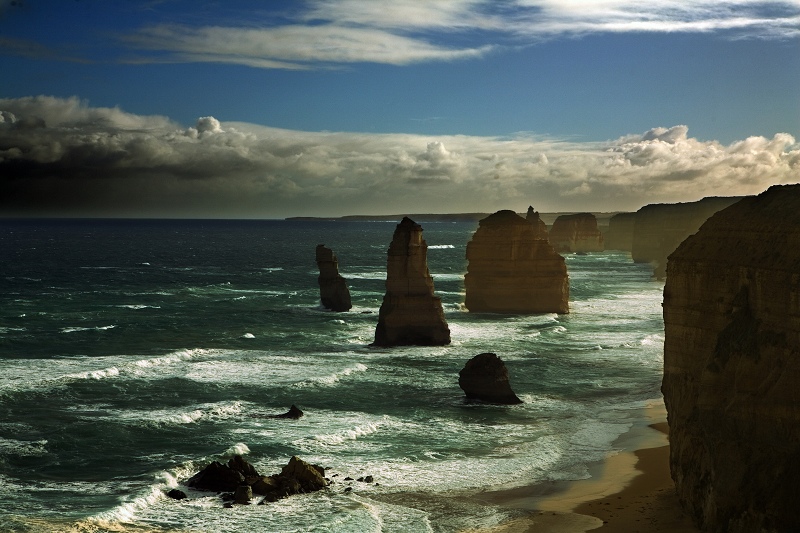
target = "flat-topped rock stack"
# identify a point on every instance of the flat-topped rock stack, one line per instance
(511, 269)
(576, 233)
(620, 232)
(410, 314)
(732, 366)
(333, 290)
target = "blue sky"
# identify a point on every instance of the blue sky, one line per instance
(334, 107)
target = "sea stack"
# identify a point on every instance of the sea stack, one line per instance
(410, 314)
(576, 233)
(513, 269)
(485, 378)
(333, 289)
(620, 232)
(660, 228)
(532, 216)
(732, 366)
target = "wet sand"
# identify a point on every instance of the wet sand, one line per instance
(629, 492)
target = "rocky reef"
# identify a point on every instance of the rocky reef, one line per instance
(660, 228)
(576, 233)
(732, 365)
(485, 378)
(620, 232)
(410, 314)
(512, 269)
(239, 480)
(333, 289)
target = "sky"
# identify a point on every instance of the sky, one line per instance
(270, 109)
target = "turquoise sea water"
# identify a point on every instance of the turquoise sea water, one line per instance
(132, 353)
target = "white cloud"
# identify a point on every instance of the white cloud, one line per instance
(401, 32)
(65, 157)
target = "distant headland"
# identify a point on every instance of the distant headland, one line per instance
(548, 218)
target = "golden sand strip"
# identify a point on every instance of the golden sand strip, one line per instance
(629, 492)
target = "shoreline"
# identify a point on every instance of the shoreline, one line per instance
(629, 491)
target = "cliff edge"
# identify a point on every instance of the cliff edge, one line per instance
(732, 365)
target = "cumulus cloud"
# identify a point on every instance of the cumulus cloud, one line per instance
(65, 157)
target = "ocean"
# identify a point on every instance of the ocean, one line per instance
(134, 352)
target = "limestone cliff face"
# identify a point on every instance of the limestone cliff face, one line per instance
(512, 270)
(660, 228)
(333, 289)
(620, 232)
(576, 233)
(732, 366)
(410, 314)
(539, 226)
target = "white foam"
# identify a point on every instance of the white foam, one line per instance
(332, 379)
(248, 336)
(138, 306)
(349, 434)
(97, 328)
(440, 246)
(22, 447)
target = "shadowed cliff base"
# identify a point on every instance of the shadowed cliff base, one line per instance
(731, 365)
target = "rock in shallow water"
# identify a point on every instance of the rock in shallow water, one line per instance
(485, 378)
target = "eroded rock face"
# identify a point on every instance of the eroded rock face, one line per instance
(660, 228)
(410, 314)
(532, 216)
(732, 366)
(512, 270)
(485, 378)
(620, 232)
(576, 233)
(333, 289)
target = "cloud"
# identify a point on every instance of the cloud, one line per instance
(65, 157)
(402, 32)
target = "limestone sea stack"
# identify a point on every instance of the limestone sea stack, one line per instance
(532, 216)
(511, 269)
(660, 228)
(620, 232)
(485, 378)
(732, 366)
(410, 314)
(333, 289)
(576, 233)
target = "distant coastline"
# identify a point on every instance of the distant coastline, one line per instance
(548, 218)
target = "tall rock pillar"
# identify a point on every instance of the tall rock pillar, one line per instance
(410, 314)
(333, 289)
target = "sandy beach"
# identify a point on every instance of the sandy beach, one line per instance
(631, 491)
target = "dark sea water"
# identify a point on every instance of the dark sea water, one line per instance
(132, 353)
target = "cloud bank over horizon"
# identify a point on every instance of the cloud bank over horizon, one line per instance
(63, 157)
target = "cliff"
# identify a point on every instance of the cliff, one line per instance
(620, 232)
(410, 314)
(333, 289)
(576, 233)
(660, 228)
(511, 270)
(732, 366)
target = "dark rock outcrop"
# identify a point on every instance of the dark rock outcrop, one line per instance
(540, 227)
(333, 289)
(660, 228)
(732, 366)
(176, 494)
(241, 478)
(294, 413)
(576, 233)
(410, 314)
(620, 232)
(485, 378)
(511, 269)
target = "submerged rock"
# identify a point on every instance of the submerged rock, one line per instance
(485, 378)
(333, 290)
(294, 412)
(512, 268)
(176, 494)
(732, 366)
(410, 314)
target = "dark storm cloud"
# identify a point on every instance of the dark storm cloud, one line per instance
(62, 156)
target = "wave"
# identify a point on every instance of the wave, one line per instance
(138, 306)
(22, 447)
(96, 328)
(173, 417)
(331, 379)
(333, 439)
(440, 246)
(379, 275)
